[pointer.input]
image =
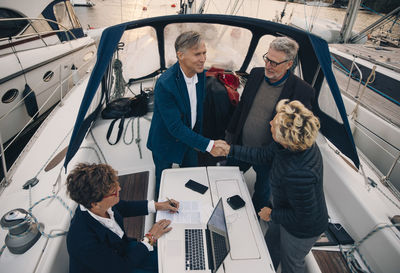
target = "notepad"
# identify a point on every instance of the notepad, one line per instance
(189, 213)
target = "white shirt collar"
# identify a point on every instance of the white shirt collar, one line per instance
(109, 223)
(192, 80)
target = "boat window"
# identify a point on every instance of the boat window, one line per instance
(262, 48)
(38, 26)
(11, 28)
(327, 103)
(10, 95)
(226, 45)
(74, 19)
(134, 59)
(62, 16)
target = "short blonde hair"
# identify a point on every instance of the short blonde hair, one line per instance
(296, 126)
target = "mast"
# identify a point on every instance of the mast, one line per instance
(349, 20)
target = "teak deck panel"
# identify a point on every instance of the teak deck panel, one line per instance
(330, 261)
(134, 187)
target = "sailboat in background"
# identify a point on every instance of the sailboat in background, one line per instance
(44, 53)
(368, 75)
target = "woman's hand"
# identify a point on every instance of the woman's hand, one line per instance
(159, 229)
(265, 213)
(171, 205)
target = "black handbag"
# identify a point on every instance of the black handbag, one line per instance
(122, 108)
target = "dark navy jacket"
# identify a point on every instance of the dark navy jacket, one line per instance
(94, 248)
(171, 133)
(293, 89)
(296, 186)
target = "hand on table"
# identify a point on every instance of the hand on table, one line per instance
(159, 228)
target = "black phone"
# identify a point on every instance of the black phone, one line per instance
(196, 186)
(236, 202)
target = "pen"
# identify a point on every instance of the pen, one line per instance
(172, 204)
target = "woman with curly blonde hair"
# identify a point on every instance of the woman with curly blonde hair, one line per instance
(298, 213)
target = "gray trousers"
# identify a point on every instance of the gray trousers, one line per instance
(287, 249)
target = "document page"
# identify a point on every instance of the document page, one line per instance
(189, 213)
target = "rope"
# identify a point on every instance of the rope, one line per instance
(119, 88)
(37, 222)
(130, 120)
(32, 219)
(2, 249)
(370, 79)
(363, 82)
(137, 140)
(349, 255)
(98, 147)
(19, 61)
(380, 14)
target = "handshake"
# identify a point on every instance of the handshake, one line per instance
(220, 148)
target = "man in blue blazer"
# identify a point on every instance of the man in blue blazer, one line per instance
(175, 132)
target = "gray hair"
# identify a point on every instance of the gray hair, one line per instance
(187, 40)
(286, 45)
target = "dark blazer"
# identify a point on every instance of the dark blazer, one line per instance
(293, 89)
(296, 180)
(171, 134)
(94, 248)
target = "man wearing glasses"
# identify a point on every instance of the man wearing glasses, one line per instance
(249, 125)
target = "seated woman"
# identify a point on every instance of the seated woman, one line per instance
(96, 240)
(298, 212)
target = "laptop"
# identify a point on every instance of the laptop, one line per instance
(190, 248)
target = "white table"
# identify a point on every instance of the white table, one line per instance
(249, 252)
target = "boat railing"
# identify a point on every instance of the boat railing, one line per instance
(354, 64)
(39, 34)
(58, 91)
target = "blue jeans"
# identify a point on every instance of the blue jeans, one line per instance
(287, 249)
(150, 264)
(189, 160)
(262, 189)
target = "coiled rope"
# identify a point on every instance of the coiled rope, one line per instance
(349, 255)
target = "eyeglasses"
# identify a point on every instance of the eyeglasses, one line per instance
(115, 192)
(273, 63)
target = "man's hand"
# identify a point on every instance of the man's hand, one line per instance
(220, 148)
(265, 213)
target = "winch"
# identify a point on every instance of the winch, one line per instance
(23, 232)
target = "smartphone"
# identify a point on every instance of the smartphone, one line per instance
(236, 202)
(196, 186)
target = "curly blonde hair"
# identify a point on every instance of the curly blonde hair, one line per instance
(296, 126)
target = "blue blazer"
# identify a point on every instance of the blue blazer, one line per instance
(94, 248)
(171, 133)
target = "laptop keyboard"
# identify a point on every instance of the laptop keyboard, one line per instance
(219, 247)
(194, 250)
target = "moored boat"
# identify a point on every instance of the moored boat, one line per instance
(45, 52)
(356, 199)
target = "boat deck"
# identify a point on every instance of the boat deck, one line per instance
(386, 57)
(134, 187)
(370, 99)
(330, 261)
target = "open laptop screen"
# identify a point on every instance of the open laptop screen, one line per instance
(219, 242)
